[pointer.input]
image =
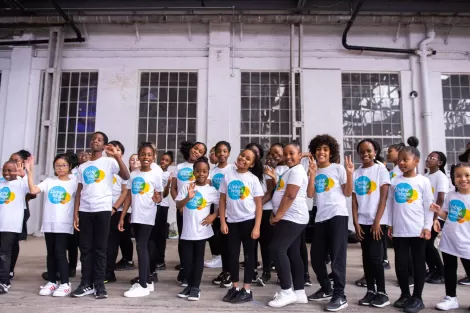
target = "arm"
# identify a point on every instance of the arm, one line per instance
(123, 170)
(222, 208)
(127, 205)
(29, 166)
(77, 206)
(166, 190)
(355, 214)
(268, 195)
(311, 184)
(286, 201)
(376, 229)
(174, 188)
(348, 187)
(259, 214)
(439, 201)
(120, 201)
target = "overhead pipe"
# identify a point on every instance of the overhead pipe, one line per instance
(292, 82)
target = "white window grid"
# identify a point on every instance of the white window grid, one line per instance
(371, 109)
(266, 111)
(77, 110)
(456, 102)
(168, 110)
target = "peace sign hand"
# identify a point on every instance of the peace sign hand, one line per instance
(348, 164)
(312, 164)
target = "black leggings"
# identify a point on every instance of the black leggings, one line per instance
(265, 238)
(72, 248)
(7, 241)
(285, 251)
(56, 245)
(193, 261)
(433, 258)
(384, 229)
(179, 224)
(214, 241)
(142, 234)
(223, 245)
(303, 250)
(402, 247)
(157, 240)
(450, 272)
(125, 240)
(240, 233)
(372, 260)
(114, 240)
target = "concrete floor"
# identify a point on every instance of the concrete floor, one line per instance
(23, 295)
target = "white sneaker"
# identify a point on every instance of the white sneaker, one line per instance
(150, 287)
(448, 303)
(301, 296)
(63, 290)
(216, 262)
(136, 291)
(48, 289)
(283, 298)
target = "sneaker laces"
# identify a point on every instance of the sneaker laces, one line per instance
(135, 286)
(63, 287)
(447, 299)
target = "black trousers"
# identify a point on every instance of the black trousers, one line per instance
(15, 252)
(285, 251)
(240, 233)
(142, 235)
(179, 224)
(372, 260)
(330, 237)
(214, 241)
(56, 245)
(265, 238)
(72, 248)
(157, 240)
(303, 250)
(223, 245)
(94, 231)
(114, 239)
(193, 261)
(7, 241)
(450, 272)
(402, 247)
(384, 241)
(125, 242)
(433, 258)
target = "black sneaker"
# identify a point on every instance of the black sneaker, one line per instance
(185, 292)
(321, 295)
(218, 279)
(125, 266)
(264, 279)
(72, 272)
(231, 293)
(154, 277)
(194, 294)
(464, 281)
(178, 267)
(161, 267)
(414, 305)
(387, 265)
(134, 280)
(83, 290)
(100, 292)
(361, 282)
(401, 302)
(436, 279)
(226, 281)
(184, 283)
(367, 298)
(307, 280)
(110, 278)
(3, 288)
(254, 280)
(242, 297)
(380, 300)
(336, 303)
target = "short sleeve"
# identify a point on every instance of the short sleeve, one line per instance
(114, 166)
(183, 193)
(215, 196)
(223, 185)
(129, 181)
(296, 177)
(175, 173)
(442, 184)
(445, 205)
(80, 175)
(342, 175)
(158, 182)
(43, 185)
(354, 181)
(267, 177)
(257, 188)
(384, 176)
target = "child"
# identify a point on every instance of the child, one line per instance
(290, 216)
(194, 201)
(217, 174)
(92, 213)
(455, 238)
(182, 175)
(331, 184)
(240, 210)
(13, 191)
(436, 163)
(57, 221)
(410, 197)
(370, 191)
(146, 187)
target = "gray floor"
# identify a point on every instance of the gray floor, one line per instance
(23, 296)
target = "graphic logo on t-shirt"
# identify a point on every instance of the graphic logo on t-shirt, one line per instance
(323, 183)
(186, 174)
(392, 174)
(114, 180)
(139, 186)
(92, 175)
(58, 195)
(458, 212)
(432, 190)
(280, 184)
(404, 193)
(364, 186)
(197, 203)
(6, 195)
(216, 180)
(237, 190)
(2, 180)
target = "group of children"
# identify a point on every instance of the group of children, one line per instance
(245, 203)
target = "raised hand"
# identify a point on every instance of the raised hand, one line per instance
(435, 208)
(29, 164)
(19, 169)
(112, 151)
(191, 191)
(269, 171)
(348, 164)
(312, 164)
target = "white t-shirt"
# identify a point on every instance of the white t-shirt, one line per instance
(367, 183)
(268, 205)
(216, 176)
(97, 180)
(59, 200)
(331, 201)
(411, 199)
(439, 183)
(455, 238)
(279, 170)
(395, 172)
(197, 209)
(12, 204)
(165, 177)
(142, 186)
(241, 189)
(117, 189)
(298, 211)
(184, 174)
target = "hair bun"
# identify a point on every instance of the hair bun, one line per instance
(413, 141)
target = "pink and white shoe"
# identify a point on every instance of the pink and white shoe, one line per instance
(63, 290)
(48, 289)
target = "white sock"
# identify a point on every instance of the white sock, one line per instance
(238, 288)
(248, 291)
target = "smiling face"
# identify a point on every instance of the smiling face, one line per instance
(270, 161)
(292, 155)
(277, 153)
(146, 157)
(97, 143)
(61, 168)
(222, 153)
(462, 178)
(322, 155)
(367, 153)
(245, 160)
(165, 162)
(134, 162)
(9, 171)
(407, 161)
(197, 151)
(201, 172)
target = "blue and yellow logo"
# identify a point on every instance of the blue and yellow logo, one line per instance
(404, 193)
(92, 175)
(216, 180)
(364, 186)
(197, 203)
(186, 174)
(58, 195)
(237, 190)
(458, 212)
(6, 195)
(323, 183)
(139, 186)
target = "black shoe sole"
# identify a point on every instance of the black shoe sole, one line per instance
(124, 269)
(242, 301)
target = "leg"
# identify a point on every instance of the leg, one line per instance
(366, 257)
(266, 234)
(318, 252)
(198, 263)
(384, 241)
(337, 230)
(187, 261)
(233, 243)
(450, 278)
(402, 251)
(101, 223)
(224, 250)
(125, 242)
(246, 228)
(72, 248)
(179, 223)
(86, 246)
(60, 253)
(15, 252)
(418, 252)
(142, 234)
(433, 258)
(294, 253)
(376, 262)
(152, 245)
(7, 240)
(214, 241)
(51, 259)
(113, 245)
(162, 234)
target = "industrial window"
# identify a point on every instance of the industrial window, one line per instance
(266, 111)
(456, 101)
(371, 109)
(168, 109)
(77, 110)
